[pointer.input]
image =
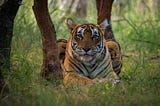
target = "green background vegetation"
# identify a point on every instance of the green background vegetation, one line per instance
(136, 31)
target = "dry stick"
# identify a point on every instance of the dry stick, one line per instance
(51, 64)
(134, 27)
(145, 4)
(154, 57)
(66, 13)
(145, 41)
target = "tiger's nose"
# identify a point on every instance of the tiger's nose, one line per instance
(86, 49)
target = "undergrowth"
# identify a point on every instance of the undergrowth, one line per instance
(138, 35)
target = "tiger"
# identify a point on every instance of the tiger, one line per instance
(88, 56)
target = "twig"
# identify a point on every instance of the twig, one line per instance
(145, 41)
(118, 20)
(132, 25)
(154, 57)
(135, 28)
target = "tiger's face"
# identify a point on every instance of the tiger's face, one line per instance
(87, 41)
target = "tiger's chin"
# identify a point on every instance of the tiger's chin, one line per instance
(83, 58)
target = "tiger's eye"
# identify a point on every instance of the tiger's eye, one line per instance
(95, 37)
(79, 36)
(80, 32)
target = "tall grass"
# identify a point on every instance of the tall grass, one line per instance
(138, 35)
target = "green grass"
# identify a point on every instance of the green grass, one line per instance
(138, 35)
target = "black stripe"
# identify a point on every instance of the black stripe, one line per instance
(78, 67)
(86, 69)
(73, 64)
(94, 67)
(103, 70)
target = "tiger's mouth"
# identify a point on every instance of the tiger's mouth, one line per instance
(83, 58)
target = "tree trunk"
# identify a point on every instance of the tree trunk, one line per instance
(81, 9)
(120, 6)
(158, 3)
(104, 8)
(8, 11)
(51, 64)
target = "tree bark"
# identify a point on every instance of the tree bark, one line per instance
(104, 8)
(158, 3)
(8, 11)
(51, 64)
(81, 9)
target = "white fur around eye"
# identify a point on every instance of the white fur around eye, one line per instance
(95, 31)
(95, 34)
(80, 30)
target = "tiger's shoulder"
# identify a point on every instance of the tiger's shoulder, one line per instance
(86, 55)
(116, 55)
(113, 47)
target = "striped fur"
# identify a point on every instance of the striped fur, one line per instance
(87, 56)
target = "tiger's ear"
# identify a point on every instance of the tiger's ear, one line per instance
(104, 24)
(70, 23)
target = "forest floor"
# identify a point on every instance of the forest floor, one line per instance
(138, 35)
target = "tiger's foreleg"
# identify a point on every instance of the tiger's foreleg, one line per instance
(75, 79)
(111, 78)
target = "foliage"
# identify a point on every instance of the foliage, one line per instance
(136, 31)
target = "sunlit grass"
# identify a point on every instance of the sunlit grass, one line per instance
(140, 75)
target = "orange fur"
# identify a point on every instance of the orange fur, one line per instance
(73, 64)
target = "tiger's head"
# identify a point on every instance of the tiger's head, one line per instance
(87, 40)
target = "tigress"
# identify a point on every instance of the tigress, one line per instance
(88, 56)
